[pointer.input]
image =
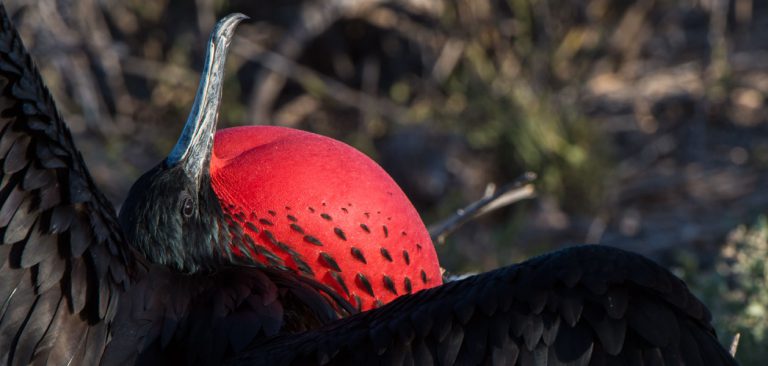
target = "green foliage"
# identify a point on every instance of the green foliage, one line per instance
(737, 291)
(530, 131)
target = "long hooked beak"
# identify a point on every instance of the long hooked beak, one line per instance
(193, 150)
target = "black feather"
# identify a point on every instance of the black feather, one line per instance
(11, 205)
(8, 139)
(49, 273)
(39, 247)
(37, 322)
(20, 224)
(36, 178)
(448, 349)
(78, 282)
(61, 218)
(14, 316)
(574, 344)
(16, 159)
(80, 236)
(611, 332)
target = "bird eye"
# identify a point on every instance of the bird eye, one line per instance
(187, 206)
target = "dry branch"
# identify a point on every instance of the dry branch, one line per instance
(493, 199)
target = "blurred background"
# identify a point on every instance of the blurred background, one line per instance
(645, 120)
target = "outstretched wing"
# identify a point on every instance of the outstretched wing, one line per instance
(62, 262)
(588, 305)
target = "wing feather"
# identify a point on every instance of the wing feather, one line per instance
(615, 308)
(59, 237)
(37, 322)
(11, 203)
(39, 246)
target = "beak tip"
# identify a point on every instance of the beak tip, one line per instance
(230, 21)
(241, 16)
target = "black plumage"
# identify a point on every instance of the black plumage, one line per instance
(543, 311)
(74, 291)
(54, 306)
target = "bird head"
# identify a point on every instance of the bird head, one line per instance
(171, 213)
(281, 197)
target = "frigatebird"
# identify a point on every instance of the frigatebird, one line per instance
(187, 276)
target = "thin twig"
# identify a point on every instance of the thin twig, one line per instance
(734, 344)
(494, 199)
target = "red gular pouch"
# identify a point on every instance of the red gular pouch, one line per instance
(325, 210)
